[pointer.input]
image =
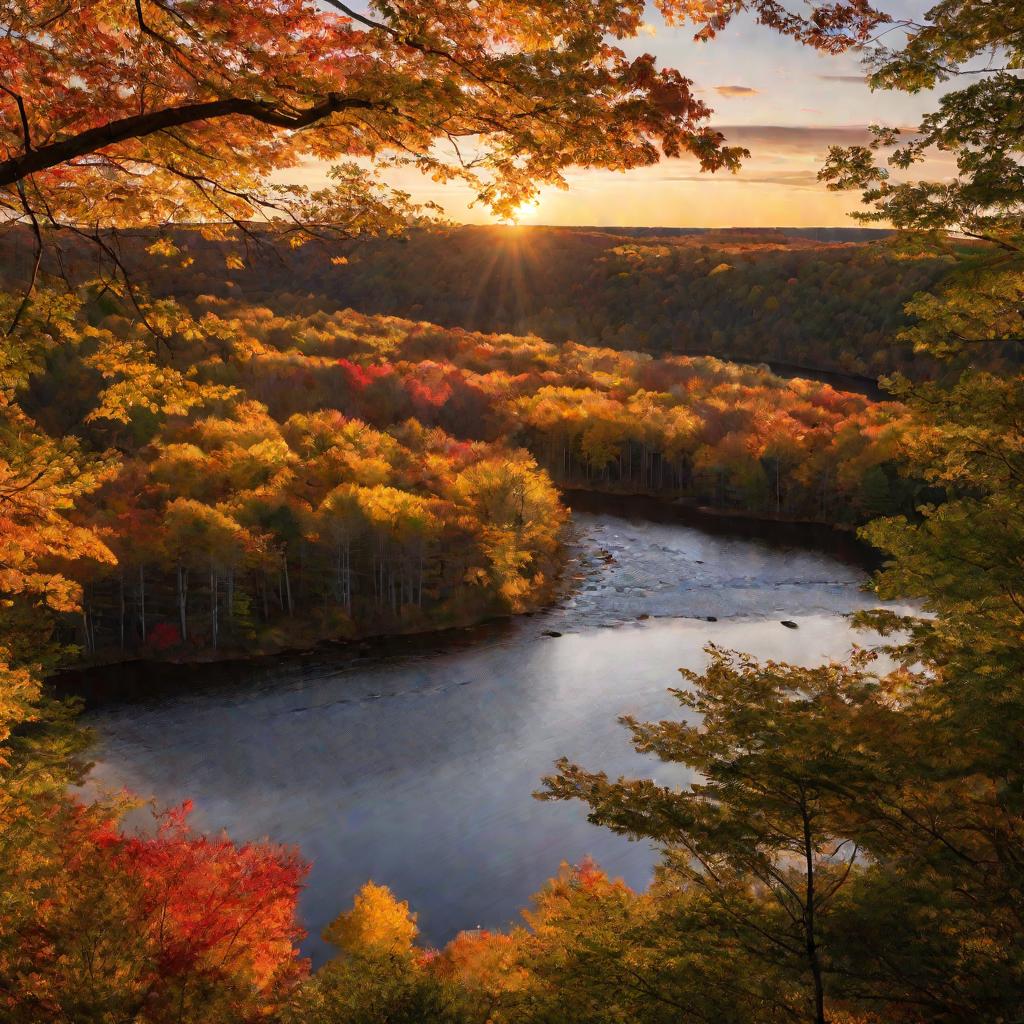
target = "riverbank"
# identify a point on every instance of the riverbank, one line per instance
(593, 565)
(115, 679)
(839, 541)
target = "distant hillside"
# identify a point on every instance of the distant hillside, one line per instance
(759, 295)
(783, 296)
(817, 234)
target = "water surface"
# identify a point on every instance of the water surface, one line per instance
(414, 764)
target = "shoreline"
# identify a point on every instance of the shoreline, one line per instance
(147, 678)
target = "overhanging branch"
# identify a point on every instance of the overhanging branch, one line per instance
(94, 139)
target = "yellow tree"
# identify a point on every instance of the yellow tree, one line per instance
(377, 923)
(520, 520)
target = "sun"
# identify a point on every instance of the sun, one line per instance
(525, 210)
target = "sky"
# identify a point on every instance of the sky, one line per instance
(784, 102)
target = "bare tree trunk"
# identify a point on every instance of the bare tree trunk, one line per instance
(348, 576)
(183, 601)
(213, 605)
(287, 585)
(142, 601)
(809, 926)
(345, 575)
(85, 627)
(120, 581)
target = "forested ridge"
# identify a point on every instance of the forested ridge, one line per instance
(849, 845)
(757, 296)
(760, 297)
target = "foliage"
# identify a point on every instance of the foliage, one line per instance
(170, 927)
(377, 924)
(849, 845)
(829, 304)
(209, 100)
(321, 475)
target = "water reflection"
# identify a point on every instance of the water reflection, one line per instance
(416, 771)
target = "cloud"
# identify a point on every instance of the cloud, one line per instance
(735, 91)
(853, 79)
(802, 179)
(802, 140)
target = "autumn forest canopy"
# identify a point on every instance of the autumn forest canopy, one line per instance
(240, 415)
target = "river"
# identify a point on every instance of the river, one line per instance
(412, 762)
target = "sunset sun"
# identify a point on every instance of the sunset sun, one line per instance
(524, 211)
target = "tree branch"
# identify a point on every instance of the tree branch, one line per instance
(110, 134)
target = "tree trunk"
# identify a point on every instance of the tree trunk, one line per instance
(142, 601)
(183, 601)
(287, 585)
(809, 926)
(348, 576)
(345, 576)
(213, 605)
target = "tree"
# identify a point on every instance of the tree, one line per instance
(169, 927)
(520, 520)
(959, 557)
(380, 977)
(757, 840)
(209, 100)
(377, 923)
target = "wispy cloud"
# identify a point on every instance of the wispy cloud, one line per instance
(788, 179)
(735, 91)
(853, 79)
(804, 140)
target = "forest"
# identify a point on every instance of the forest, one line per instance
(357, 473)
(752, 296)
(200, 458)
(759, 296)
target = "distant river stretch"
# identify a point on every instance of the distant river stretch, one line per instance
(413, 763)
